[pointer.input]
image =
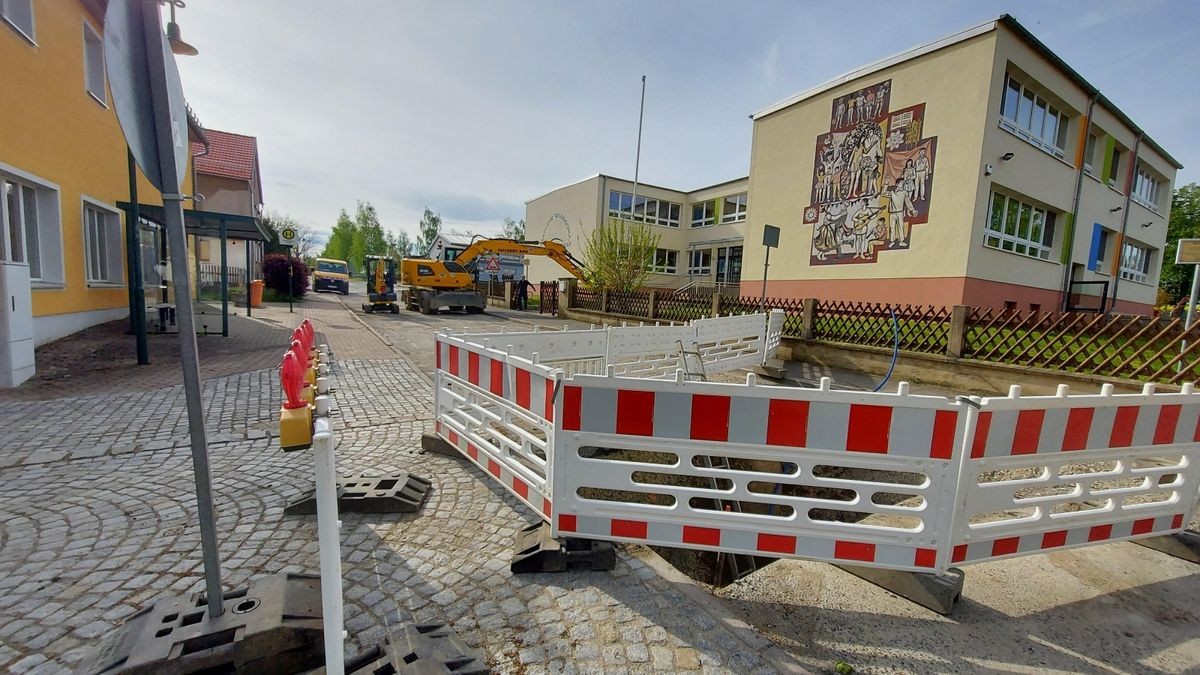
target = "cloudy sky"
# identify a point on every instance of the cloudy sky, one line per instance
(472, 108)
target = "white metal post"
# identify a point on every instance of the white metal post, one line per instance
(329, 541)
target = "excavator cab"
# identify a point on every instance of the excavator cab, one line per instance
(381, 285)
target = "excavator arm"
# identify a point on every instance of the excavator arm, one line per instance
(551, 249)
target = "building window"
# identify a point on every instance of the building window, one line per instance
(735, 208)
(1029, 116)
(646, 210)
(1114, 169)
(1020, 228)
(102, 237)
(665, 261)
(1102, 247)
(704, 213)
(1146, 189)
(1089, 154)
(19, 15)
(93, 63)
(30, 229)
(1135, 262)
(700, 263)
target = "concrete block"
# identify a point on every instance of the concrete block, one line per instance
(938, 593)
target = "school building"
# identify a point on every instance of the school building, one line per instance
(978, 169)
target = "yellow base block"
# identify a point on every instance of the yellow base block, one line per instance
(309, 394)
(310, 376)
(295, 428)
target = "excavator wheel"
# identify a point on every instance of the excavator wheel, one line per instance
(474, 310)
(426, 300)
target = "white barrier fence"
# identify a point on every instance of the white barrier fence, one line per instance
(891, 480)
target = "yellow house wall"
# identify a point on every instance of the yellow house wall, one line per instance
(62, 135)
(953, 84)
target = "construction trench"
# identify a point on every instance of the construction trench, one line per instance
(619, 435)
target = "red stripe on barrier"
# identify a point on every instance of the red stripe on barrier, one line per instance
(854, 550)
(1005, 546)
(1123, 424)
(703, 536)
(959, 553)
(453, 438)
(1143, 526)
(1028, 431)
(493, 467)
(567, 523)
(496, 383)
(549, 415)
(982, 424)
(1079, 425)
(1196, 433)
(572, 403)
(634, 529)
(1177, 522)
(521, 488)
(473, 368)
(635, 412)
(1168, 420)
(710, 418)
(941, 446)
(869, 428)
(1100, 532)
(1054, 539)
(546, 507)
(453, 360)
(472, 452)
(437, 352)
(925, 557)
(523, 388)
(787, 423)
(776, 543)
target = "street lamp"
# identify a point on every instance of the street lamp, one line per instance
(174, 37)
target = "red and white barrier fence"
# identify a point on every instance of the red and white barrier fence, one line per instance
(891, 480)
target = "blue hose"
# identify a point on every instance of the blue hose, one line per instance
(895, 350)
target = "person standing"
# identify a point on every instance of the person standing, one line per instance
(523, 287)
(922, 170)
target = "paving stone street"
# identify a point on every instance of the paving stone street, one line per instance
(97, 518)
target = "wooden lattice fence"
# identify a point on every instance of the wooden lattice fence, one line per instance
(921, 328)
(682, 307)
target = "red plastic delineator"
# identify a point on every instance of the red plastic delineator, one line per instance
(291, 376)
(301, 335)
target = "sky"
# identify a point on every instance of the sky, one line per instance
(473, 108)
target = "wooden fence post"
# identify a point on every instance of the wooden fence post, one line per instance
(604, 301)
(716, 304)
(652, 310)
(567, 298)
(508, 293)
(808, 314)
(957, 336)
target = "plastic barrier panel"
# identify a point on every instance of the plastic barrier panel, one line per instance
(773, 471)
(1054, 472)
(498, 410)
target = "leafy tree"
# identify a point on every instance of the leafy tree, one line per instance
(368, 237)
(619, 254)
(1176, 280)
(398, 245)
(514, 229)
(430, 225)
(341, 239)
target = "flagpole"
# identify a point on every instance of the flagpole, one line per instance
(637, 162)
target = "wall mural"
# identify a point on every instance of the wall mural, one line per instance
(872, 178)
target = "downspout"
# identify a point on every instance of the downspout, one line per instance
(1069, 250)
(207, 149)
(1137, 144)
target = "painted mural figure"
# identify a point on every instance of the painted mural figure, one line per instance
(872, 178)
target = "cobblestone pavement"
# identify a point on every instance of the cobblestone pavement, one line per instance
(97, 518)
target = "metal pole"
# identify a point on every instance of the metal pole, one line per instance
(289, 278)
(248, 275)
(189, 354)
(1191, 310)
(137, 293)
(762, 305)
(329, 542)
(637, 161)
(224, 282)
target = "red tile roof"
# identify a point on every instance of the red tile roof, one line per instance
(232, 156)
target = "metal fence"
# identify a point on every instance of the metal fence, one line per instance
(210, 277)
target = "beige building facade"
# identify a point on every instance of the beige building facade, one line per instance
(700, 231)
(978, 169)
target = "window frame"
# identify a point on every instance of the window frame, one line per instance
(1012, 237)
(1089, 156)
(113, 250)
(740, 199)
(90, 34)
(1139, 271)
(6, 17)
(1023, 129)
(708, 213)
(695, 269)
(50, 270)
(652, 211)
(1143, 177)
(667, 267)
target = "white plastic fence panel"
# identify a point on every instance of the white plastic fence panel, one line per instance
(648, 351)
(774, 333)
(731, 342)
(498, 410)
(1046, 473)
(836, 476)
(549, 345)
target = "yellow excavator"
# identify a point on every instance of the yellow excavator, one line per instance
(429, 285)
